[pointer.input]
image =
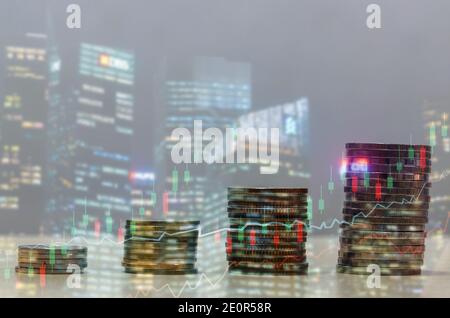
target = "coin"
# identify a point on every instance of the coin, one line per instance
(51, 267)
(370, 241)
(263, 190)
(245, 204)
(171, 228)
(268, 244)
(272, 258)
(65, 262)
(160, 250)
(362, 183)
(142, 270)
(160, 257)
(274, 222)
(277, 221)
(269, 251)
(391, 265)
(267, 203)
(351, 197)
(405, 147)
(162, 223)
(368, 205)
(166, 241)
(268, 216)
(56, 250)
(268, 210)
(410, 249)
(374, 168)
(385, 227)
(380, 235)
(251, 271)
(381, 256)
(159, 237)
(166, 265)
(414, 161)
(288, 235)
(284, 265)
(266, 248)
(46, 271)
(381, 263)
(269, 270)
(401, 177)
(53, 247)
(266, 240)
(386, 191)
(51, 260)
(387, 212)
(384, 153)
(45, 255)
(383, 271)
(270, 197)
(384, 220)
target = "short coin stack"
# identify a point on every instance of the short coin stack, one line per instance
(385, 209)
(267, 230)
(160, 247)
(51, 259)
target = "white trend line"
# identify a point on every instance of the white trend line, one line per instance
(198, 229)
(443, 175)
(186, 284)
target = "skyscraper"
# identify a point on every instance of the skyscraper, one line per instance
(216, 91)
(90, 131)
(22, 132)
(143, 195)
(436, 117)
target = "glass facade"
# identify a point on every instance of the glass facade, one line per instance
(22, 133)
(90, 135)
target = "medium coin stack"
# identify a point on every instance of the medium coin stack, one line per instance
(160, 247)
(385, 208)
(51, 259)
(267, 230)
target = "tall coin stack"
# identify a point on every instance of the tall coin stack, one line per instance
(385, 208)
(160, 247)
(267, 230)
(51, 259)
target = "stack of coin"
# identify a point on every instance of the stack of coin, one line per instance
(267, 230)
(51, 259)
(160, 247)
(385, 208)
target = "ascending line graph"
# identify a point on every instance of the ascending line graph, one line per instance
(191, 285)
(322, 226)
(202, 234)
(204, 278)
(186, 285)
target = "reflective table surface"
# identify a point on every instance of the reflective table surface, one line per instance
(104, 276)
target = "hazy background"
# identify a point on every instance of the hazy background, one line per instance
(363, 85)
